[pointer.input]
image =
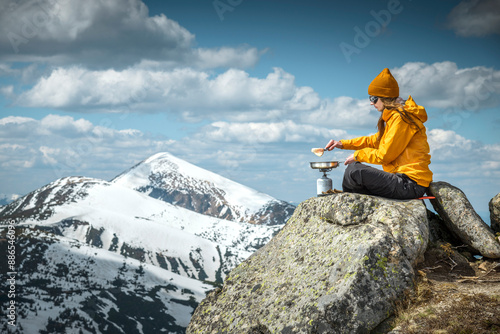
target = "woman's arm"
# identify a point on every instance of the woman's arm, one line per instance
(353, 144)
(360, 142)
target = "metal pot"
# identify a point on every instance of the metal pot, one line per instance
(324, 164)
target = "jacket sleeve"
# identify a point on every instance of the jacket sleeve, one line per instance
(396, 137)
(360, 142)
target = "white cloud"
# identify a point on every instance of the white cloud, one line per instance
(17, 129)
(14, 119)
(243, 56)
(256, 133)
(35, 152)
(234, 95)
(444, 85)
(446, 144)
(343, 112)
(475, 18)
(185, 91)
(77, 87)
(470, 165)
(101, 34)
(459, 155)
(69, 146)
(64, 124)
(8, 91)
(48, 154)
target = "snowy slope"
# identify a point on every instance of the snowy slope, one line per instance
(176, 181)
(127, 222)
(101, 257)
(67, 286)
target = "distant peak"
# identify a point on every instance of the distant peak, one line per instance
(159, 156)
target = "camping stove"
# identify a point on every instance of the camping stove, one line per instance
(324, 183)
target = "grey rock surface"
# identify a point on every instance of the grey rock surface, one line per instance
(494, 206)
(460, 217)
(337, 266)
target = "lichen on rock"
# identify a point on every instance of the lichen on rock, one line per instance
(459, 216)
(337, 266)
(494, 206)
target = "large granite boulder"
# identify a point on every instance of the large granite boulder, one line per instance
(495, 213)
(460, 217)
(337, 266)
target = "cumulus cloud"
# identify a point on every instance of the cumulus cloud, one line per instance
(447, 144)
(242, 56)
(55, 146)
(72, 146)
(444, 85)
(343, 111)
(188, 92)
(69, 146)
(101, 34)
(195, 95)
(234, 95)
(475, 18)
(287, 131)
(457, 156)
(467, 164)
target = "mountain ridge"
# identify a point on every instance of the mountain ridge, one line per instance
(120, 219)
(76, 223)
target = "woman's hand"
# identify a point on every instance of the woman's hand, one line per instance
(332, 144)
(350, 159)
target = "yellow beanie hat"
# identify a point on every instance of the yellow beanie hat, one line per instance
(384, 85)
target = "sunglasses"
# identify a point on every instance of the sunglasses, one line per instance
(373, 99)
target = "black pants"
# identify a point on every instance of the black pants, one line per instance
(363, 179)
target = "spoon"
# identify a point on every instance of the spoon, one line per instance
(318, 151)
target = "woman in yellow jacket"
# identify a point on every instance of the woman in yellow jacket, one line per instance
(400, 146)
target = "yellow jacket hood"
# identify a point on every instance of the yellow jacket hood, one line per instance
(402, 148)
(410, 107)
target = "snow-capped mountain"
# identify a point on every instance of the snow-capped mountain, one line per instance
(127, 222)
(173, 180)
(98, 257)
(6, 199)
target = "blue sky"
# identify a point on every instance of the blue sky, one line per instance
(242, 88)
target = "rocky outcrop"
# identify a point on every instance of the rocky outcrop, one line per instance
(459, 216)
(494, 206)
(337, 266)
(212, 202)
